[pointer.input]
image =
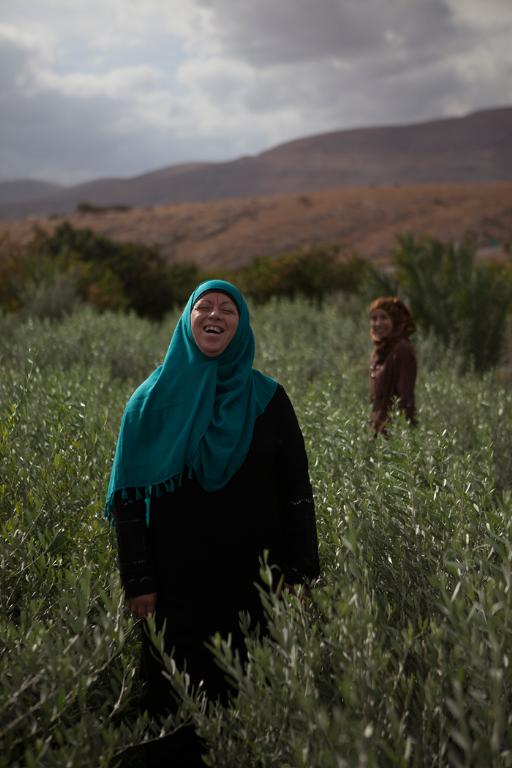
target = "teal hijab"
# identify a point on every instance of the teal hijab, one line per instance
(193, 414)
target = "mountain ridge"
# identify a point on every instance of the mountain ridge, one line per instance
(469, 149)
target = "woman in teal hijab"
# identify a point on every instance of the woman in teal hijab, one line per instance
(196, 410)
(210, 471)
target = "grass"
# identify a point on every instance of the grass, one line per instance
(401, 654)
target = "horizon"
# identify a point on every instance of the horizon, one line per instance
(91, 91)
(256, 154)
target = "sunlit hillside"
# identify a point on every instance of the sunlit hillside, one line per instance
(364, 220)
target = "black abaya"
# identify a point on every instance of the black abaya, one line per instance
(201, 552)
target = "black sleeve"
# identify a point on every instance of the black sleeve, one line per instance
(300, 545)
(134, 556)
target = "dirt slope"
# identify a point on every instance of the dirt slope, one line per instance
(365, 220)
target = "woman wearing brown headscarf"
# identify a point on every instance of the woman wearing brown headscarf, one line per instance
(393, 361)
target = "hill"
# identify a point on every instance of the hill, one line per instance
(25, 190)
(365, 220)
(475, 148)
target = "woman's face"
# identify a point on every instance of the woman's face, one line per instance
(214, 320)
(381, 325)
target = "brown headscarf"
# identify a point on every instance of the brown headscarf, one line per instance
(403, 324)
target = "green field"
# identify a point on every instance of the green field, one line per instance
(401, 655)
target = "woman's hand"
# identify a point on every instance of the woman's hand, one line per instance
(142, 605)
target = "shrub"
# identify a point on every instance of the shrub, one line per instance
(150, 286)
(106, 274)
(12, 271)
(313, 272)
(52, 298)
(401, 653)
(463, 303)
(85, 207)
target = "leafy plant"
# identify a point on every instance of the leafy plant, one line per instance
(53, 272)
(463, 303)
(313, 272)
(399, 655)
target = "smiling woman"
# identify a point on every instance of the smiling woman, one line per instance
(214, 320)
(393, 362)
(210, 472)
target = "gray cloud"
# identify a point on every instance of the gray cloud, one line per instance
(64, 136)
(212, 79)
(342, 63)
(267, 33)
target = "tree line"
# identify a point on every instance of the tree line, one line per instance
(462, 302)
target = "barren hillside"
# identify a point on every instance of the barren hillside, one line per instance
(365, 220)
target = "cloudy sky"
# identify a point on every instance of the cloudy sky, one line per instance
(94, 88)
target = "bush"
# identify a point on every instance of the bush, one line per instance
(124, 276)
(464, 304)
(11, 275)
(85, 207)
(401, 653)
(313, 272)
(106, 274)
(52, 298)
(149, 285)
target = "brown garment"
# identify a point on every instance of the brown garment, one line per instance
(393, 377)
